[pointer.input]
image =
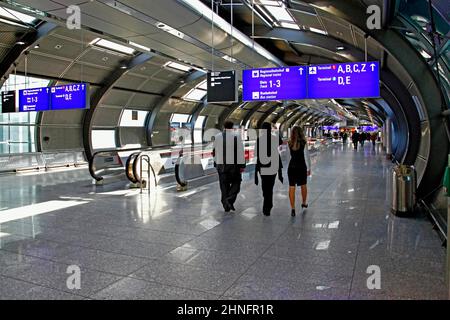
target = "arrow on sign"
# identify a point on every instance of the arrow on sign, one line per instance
(373, 65)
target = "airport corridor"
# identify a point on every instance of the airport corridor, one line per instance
(182, 245)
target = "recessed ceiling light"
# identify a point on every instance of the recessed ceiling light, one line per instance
(177, 66)
(318, 31)
(140, 46)
(123, 67)
(58, 46)
(37, 46)
(112, 46)
(20, 43)
(105, 59)
(340, 48)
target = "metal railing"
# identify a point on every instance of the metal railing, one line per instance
(108, 162)
(13, 162)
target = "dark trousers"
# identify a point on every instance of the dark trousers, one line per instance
(267, 188)
(229, 187)
(355, 145)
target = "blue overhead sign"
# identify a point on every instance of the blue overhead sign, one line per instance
(70, 96)
(64, 97)
(331, 81)
(344, 81)
(34, 99)
(274, 84)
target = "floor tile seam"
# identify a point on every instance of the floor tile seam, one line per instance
(254, 262)
(90, 269)
(358, 248)
(44, 286)
(71, 244)
(158, 283)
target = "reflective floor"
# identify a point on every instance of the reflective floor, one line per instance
(170, 245)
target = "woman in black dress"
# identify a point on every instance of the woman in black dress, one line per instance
(299, 166)
(268, 180)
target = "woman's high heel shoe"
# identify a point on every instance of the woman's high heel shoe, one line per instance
(304, 206)
(293, 212)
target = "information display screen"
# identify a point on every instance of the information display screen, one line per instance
(274, 84)
(344, 81)
(34, 99)
(222, 86)
(9, 104)
(70, 96)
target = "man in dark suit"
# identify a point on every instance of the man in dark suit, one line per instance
(229, 160)
(355, 139)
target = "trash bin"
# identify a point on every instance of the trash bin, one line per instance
(404, 189)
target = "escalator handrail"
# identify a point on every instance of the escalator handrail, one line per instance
(91, 161)
(135, 168)
(177, 171)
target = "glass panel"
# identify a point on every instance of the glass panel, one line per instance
(198, 129)
(179, 117)
(133, 118)
(16, 138)
(103, 139)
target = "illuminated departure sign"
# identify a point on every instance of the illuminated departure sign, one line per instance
(274, 84)
(34, 99)
(64, 97)
(330, 81)
(70, 96)
(344, 81)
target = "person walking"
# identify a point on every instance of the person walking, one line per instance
(355, 139)
(344, 138)
(268, 161)
(362, 138)
(373, 138)
(299, 166)
(229, 160)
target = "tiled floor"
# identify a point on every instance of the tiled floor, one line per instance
(170, 245)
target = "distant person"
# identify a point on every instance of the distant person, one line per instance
(299, 166)
(265, 164)
(229, 160)
(373, 138)
(362, 138)
(355, 139)
(344, 138)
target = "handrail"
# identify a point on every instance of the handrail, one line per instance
(193, 152)
(138, 159)
(92, 160)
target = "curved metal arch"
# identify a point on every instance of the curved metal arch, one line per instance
(31, 39)
(297, 112)
(251, 112)
(423, 78)
(100, 95)
(229, 111)
(167, 95)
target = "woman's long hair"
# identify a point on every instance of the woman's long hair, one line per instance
(297, 138)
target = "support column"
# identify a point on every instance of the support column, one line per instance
(447, 272)
(388, 138)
